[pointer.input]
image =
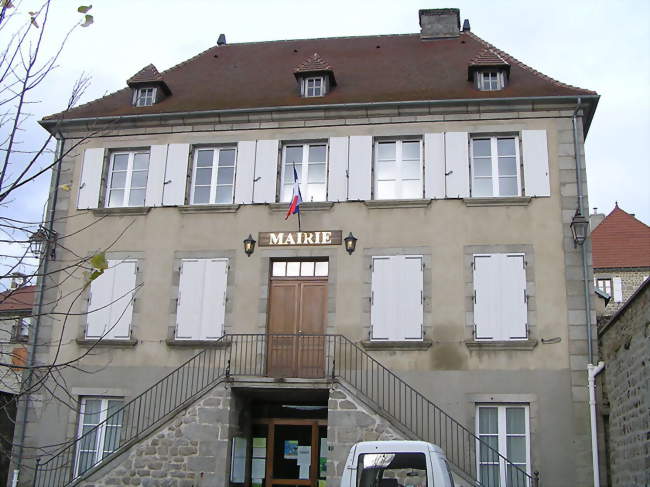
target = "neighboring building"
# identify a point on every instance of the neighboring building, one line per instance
(16, 306)
(621, 256)
(458, 316)
(625, 351)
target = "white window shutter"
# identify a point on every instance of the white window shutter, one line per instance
(514, 309)
(457, 164)
(176, 174)
(434, 166)
(156, 175)
(214, 307)
(486, 297)
(382, 301)
(618, 289)
(360, 167)
(407, 287)
(122, 304)
(338, 168)
(535, 159)
(111, 305)
(245, 172)
(266, 171)
(91, 179)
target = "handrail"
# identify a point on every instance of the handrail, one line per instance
(282, 355)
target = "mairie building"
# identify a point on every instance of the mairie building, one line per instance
(428, 287)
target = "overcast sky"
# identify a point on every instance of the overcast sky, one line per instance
(597, 45)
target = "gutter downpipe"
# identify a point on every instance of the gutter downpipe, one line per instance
(32, 351)
(592, 370)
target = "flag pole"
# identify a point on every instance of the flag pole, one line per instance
(294, 171)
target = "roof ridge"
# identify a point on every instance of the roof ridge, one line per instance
(525, 66)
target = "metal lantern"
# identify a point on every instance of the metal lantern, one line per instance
(350, 243)
(249, 245)
(579, 228)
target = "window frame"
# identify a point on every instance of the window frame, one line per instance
(399, 163)
(322, 90)
(127, 189)
(142, 98)
(99, 444)
(502, 437)
(214, 184)
(486, 85)
(494, 164)
(605, 280)
(304, 170)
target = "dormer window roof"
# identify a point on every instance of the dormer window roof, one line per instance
(148, 86)
(488, 70)
(315, 75)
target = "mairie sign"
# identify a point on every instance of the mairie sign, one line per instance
(302, 239)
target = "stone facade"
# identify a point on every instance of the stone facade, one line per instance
(187, 452)
(625, 345)
(631, 280)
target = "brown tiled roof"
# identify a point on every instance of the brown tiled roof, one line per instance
(621, 240)
(488, 57)
(368, 69)
(148, 74)
(313, 63)
(20, 299)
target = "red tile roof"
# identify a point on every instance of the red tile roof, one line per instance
(148, 74)
(312, 64)
(20, 299)
(488, 57)
(368, 69)
(621, 241)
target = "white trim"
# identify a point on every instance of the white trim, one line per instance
(399, 179)
(214, 167)
(129, 178)
(492, 84)
(318, 89)
(141, 99)
(494, 165)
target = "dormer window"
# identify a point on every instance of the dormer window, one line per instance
(490, 80)
(148, 87)
(313, 86)
(145, 97)
(315, 77)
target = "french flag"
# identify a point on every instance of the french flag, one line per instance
(296, 199)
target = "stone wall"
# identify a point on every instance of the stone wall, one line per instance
(625, 345)
(190, 451)
(631, 280)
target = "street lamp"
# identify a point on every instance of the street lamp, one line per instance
(249, 245)
(41, 240)
(579, 228)
(350, 243)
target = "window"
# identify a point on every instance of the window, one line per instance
(504, 428)
(396, 312)
(398, 169)
(110, 307)
(313, 87)
(14, 329)
(605, 285)
(213, 178)
(310, 161)
(100, 422)
(490, 80)
(495, 166)
(392, 469)
(145, 97)
(300, 268)
(500, 299)
(200, 309)
(127, 179)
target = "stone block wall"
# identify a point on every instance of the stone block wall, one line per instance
(631, 280)
(190, 451)
(625, 345)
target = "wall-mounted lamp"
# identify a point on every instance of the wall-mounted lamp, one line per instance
(350, 243)
(579, 228)
(249, 245)
(42, 240)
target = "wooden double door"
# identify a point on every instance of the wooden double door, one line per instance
(296, 325)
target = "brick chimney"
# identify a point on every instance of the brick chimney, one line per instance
(436, 23)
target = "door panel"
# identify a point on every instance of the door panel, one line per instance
(283, 318)
(313, 313)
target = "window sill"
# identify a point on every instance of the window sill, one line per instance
(498, 201)
(208, 208)
(172, 342)
(87, 342)
(487, 345)
(122, 210)
(381, 204)
(396, 346)
(305, 206)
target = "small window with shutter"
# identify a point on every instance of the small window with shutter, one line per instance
(500, 299)
(201, 304)
(397, 298)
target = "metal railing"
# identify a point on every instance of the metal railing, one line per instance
(331, 357)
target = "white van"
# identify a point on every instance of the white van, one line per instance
(396, 464)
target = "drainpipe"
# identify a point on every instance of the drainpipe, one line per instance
(39, 312)
(594, 370)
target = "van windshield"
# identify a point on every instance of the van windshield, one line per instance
(392, 470)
